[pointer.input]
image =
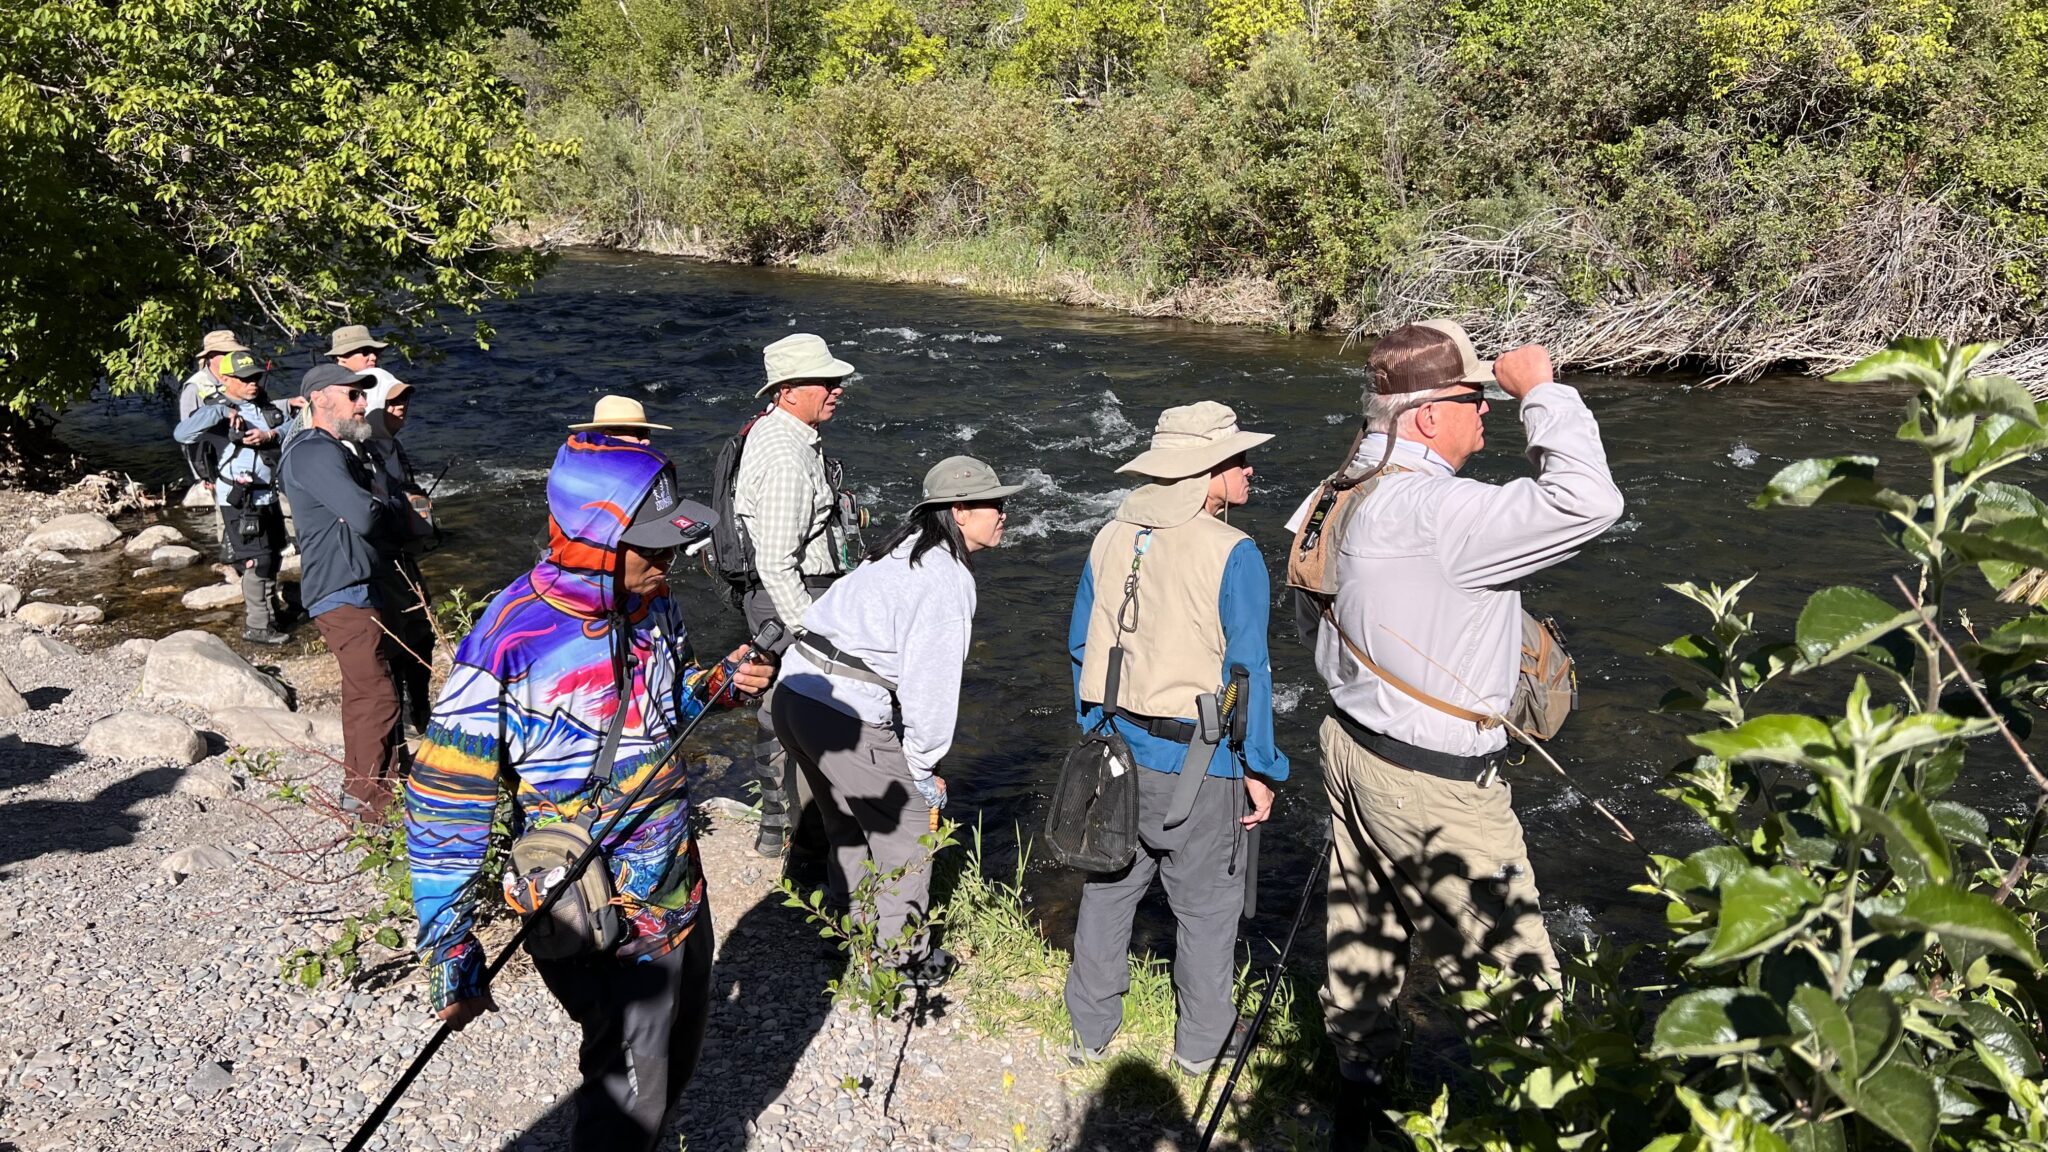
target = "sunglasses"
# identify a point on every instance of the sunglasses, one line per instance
(656, 556)
(1475, 398)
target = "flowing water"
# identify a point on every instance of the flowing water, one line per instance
(1057, 398)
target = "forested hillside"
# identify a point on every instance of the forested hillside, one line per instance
(1638, 181)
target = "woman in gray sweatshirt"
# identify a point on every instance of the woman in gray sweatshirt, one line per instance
(870, 693)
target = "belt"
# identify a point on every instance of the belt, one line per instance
(1448, 766)
(1177, 731)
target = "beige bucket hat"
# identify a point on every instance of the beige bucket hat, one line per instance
(1477, 371)
(801, 357)
(963, 480)
(1187, 444)
(219, 341)
(352, 338)
(618, 412)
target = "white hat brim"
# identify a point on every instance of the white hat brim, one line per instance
(1180, 463)
(593, 424)
(833, 369)
(999, 492)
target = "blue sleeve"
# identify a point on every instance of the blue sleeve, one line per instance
(1077, 643)
(203, 419)
(1245, 605)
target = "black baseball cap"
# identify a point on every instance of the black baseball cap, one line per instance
(331, 376)
(243, 366)
(665, 519)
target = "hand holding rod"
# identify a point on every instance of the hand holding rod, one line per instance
(765, 640)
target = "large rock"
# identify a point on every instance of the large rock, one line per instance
(144, 736)
(153, 537)
(74, 532)
(212, 596)
(10, 599)
(139, 646)
(197, 496)
(195, 858)
(45, 615)
(11, 702)
(326, 728)
(173, 556)
(198, 668)
(51, 558)
(209, 782)
(43, 647)
(262, 728)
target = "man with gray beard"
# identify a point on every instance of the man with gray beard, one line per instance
(349, 521)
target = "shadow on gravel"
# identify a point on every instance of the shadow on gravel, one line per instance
(40, 699)
(33, 828)
(767, 1002)
(1137, 1109)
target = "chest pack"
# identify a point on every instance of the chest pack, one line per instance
(1547, 686)
(586, 919)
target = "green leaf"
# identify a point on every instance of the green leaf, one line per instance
(1757, 908)
(1900, 1099)
(2028, 633)
(1816, 1137)
(1899, 363)
(1698, 651)
(1961, 823)
(1994, 395)
(389, 938)
(1714, 1020)
(1998, 1032)
(1837, 621)
(2022, 541)
(1831, 480)
(1909, 825)
(1998, 502)
(1968, 915)
(1861, 1036)
(1708, 869)
(1781, 738)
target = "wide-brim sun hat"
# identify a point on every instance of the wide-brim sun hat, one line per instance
(1476, 371)
(963, 480)
(801, 358)
(352, 338)
(218, 341)
(1192, 440)
(619, 412)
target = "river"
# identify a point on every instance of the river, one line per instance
(1057, 398)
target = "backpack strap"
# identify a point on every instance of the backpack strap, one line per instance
(1405, 688)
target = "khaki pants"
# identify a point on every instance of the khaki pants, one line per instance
(1418, 855)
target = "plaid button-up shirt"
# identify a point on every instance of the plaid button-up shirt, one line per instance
(787, 511)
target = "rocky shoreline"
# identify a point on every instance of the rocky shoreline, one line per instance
(169, 840)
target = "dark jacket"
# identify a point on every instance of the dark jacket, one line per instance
(345, 534)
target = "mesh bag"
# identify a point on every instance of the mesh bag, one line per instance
(1093, 824)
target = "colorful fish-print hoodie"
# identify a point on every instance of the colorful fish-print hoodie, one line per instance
(532, 693)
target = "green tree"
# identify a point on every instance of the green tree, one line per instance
(877, 38)
(166, 165)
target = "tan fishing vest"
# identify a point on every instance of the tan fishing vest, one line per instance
(1176, 652)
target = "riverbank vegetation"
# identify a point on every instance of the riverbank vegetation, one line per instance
(276, 166)
(1636, 182)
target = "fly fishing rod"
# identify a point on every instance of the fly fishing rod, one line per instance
(1273, 978)
(764, 641)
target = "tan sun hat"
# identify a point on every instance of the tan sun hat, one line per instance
(963, 480)
(352, 338)
(1193, 439)
(801, 357)
(1477, 371)
(219, 341)
(618, 412)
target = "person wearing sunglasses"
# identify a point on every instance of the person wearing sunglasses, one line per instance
(1421, 649)
(349, 523)
(870, 695)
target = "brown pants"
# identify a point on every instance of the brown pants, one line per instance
(1418, 855)
(369, 704)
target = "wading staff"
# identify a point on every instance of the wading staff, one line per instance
(1273, 977)
(765, 640)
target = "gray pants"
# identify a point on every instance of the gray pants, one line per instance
(872, 810)
(1202, 864)
(643, 1030)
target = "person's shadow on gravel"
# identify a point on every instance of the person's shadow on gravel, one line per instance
(32, 828)
(1137, 1109)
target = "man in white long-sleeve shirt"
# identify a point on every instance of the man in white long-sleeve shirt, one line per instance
(1425, 838)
